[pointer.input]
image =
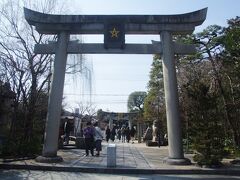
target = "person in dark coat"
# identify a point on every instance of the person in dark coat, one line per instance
(132, 133)
(127, 133)
(113, 133)
(119, 134)
(107, 133)
(68, 129)
(158, 135)
(89, 134)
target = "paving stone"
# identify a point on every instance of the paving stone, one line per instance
(130, 156)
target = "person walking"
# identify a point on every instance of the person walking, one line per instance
(127, 133)
(107, 133)
(98, 138)
(123, 132)
(119, 134)
(113, 134)
(89, 133)
(158, 136)
(132, 133)
(68, 129)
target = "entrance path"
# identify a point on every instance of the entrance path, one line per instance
(134, 158)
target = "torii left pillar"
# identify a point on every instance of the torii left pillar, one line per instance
(50, 146)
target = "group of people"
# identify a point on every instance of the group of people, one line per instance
(93, 135)
(123, 133)
(93, 138)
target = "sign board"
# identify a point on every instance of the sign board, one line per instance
(114, 36)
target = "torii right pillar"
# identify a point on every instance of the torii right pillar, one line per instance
(169, 48)
(176, 155)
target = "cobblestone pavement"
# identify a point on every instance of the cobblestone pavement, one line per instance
(129, 156)
(51, 175)
(136, 155)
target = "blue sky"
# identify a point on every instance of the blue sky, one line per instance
(116, 76)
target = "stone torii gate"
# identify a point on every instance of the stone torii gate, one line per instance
(114, 28)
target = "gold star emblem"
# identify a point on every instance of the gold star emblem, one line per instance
(114, 33)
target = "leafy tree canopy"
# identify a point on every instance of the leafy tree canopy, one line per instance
(136, 101)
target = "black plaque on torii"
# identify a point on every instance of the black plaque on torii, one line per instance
(114, 35)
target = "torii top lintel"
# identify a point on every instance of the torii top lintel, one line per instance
(133, 24)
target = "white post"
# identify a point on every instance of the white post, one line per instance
(111, 155)
(55, 102)
(172, 103)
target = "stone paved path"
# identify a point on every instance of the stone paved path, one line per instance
(129, 156)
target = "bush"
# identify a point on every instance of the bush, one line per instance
(14, 148)
(208, 160)
(206, 122)
(209, 144)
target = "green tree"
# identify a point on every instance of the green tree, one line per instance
(154, 104)
(207, 127)
(201, 97)
(231, 39)
(231, 72)
(136, 104)
(136, 101)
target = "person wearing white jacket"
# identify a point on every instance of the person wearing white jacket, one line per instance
(98, 138)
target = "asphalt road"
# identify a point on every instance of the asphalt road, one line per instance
(45, 175)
